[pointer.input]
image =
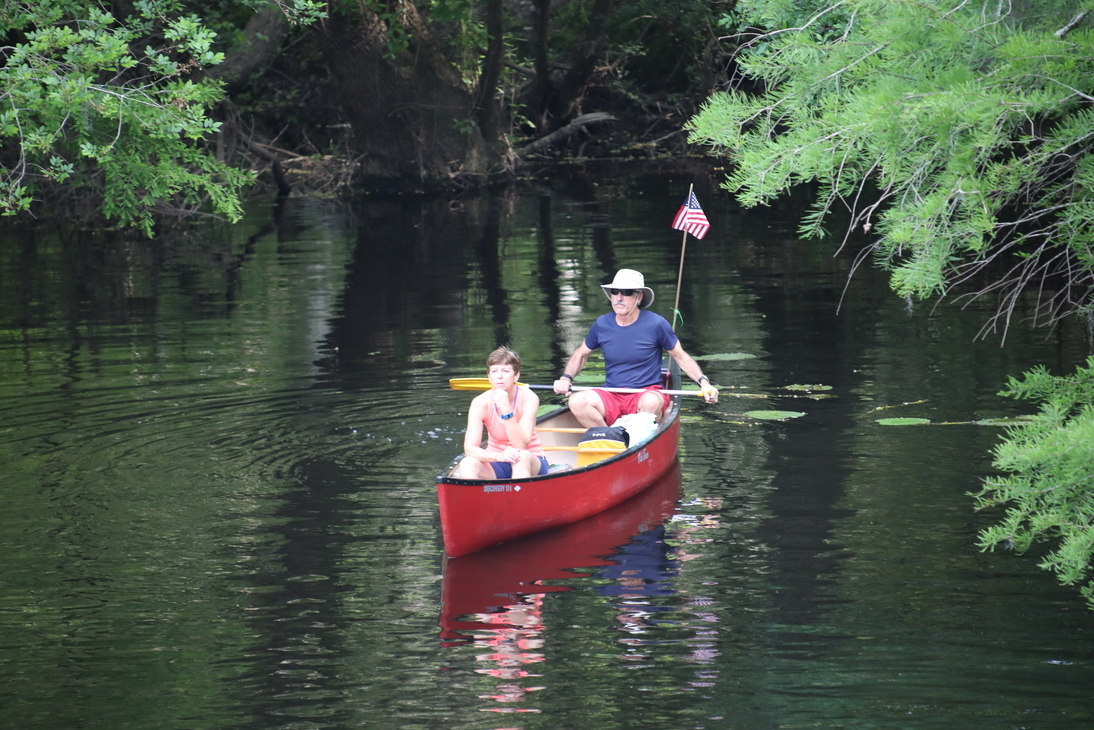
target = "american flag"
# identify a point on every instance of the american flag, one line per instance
(691, 218)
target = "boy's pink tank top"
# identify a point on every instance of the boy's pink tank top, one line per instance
(497, 439)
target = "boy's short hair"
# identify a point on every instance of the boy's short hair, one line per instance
(504, 356)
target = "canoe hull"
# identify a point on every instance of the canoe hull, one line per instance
(491, 580)
(478, 513)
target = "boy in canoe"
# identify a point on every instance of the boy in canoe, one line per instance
(632, 339)
(508, 413)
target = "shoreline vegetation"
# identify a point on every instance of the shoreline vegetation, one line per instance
(186, 109)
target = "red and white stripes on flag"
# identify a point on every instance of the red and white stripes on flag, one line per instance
(691, 218)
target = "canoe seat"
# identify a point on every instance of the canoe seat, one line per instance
(590, 452)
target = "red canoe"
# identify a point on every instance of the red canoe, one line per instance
(488, 581)
(477, 513)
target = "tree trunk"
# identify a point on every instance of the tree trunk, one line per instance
(261, 39)
(486, 103)
(565, 104)
(542, 89)
(411, 115)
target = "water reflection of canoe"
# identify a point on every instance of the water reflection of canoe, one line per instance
(488, 581)
(477, 513)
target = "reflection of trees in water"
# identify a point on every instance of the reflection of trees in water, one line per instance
(808, 471)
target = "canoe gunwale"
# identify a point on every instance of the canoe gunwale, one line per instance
(666, 424)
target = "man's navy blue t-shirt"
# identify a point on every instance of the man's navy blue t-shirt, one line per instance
(632, 354)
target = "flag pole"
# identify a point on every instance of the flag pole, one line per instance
(680, 273)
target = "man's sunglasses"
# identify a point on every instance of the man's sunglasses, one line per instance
(624, 292)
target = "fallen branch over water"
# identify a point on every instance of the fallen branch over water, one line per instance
(565, 133)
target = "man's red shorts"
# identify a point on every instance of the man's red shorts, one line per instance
(620, 404)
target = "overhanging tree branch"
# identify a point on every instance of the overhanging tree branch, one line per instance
(566, 132)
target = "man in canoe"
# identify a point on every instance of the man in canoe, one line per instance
(631, 338)
(508, 413)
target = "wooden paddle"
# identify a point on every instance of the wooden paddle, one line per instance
(484, 384)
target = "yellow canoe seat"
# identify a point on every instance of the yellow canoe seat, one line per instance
(589, 452)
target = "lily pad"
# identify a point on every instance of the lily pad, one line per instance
(774, 415)
(1012, 421)
(726, 356)
(903, 421)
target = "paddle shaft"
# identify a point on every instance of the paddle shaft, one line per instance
(619, 390)
(484, 384)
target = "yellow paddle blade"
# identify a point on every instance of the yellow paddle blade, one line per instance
(471, 384)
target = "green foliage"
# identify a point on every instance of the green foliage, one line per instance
(450, 11)
(109, 108)
(458, 25)
(958, 131)
(1049, 492)
(300, 12)
(653, 45)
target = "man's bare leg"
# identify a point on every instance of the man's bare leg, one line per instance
(587, 408)
(652, 402)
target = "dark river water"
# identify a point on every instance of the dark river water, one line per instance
(218, 453)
